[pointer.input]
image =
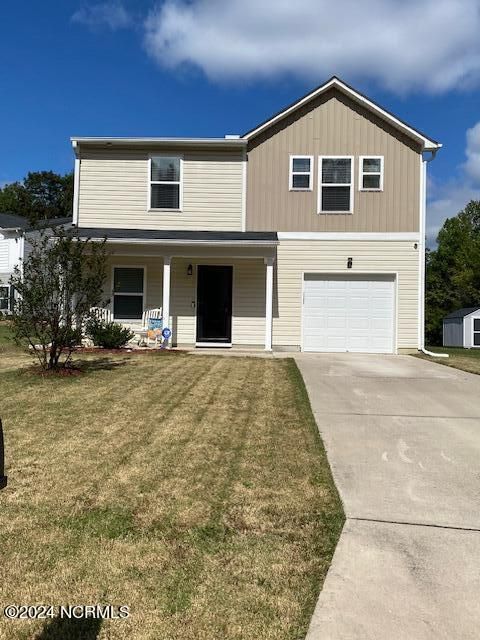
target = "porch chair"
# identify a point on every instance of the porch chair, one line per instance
(151, 330)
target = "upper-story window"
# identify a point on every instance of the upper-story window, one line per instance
(301, 173)
(371, 173)
(166, 182)
(335, 184)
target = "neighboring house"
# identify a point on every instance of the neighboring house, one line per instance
(307, 232)
(462, 328)
(12, 230)
(16, 235)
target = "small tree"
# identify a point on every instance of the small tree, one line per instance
(56, 285)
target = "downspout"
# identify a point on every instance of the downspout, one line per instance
(423, 241)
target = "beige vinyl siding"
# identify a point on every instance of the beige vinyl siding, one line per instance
(114, 191)
(153, 277)
(248, 299)
(248, 305)
(296, 257)
(332, 125)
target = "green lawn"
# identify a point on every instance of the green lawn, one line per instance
(194, 489)
(6, 341)
(465, 359)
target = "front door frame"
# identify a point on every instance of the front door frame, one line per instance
(214, 344)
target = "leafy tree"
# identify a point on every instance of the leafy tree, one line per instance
(453, 270)
(57, 284)
(40, 196)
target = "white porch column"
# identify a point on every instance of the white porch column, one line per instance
(166, 291)
(268, 303)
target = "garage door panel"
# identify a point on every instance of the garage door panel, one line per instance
(348, 313)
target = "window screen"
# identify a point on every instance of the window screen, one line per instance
(4, 298)
(128, 280)
(301, 168)
(128, 289)
(165, 182)
(371, 173)
(336, 185)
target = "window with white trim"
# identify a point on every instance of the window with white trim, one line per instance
(128, 293)
(5, 298)
(476, 332)
(371, 173)
(335, 180)
(166, 182)
(301, 173)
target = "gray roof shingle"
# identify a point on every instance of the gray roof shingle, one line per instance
(461, 313)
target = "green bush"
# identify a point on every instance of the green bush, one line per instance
(109, 335)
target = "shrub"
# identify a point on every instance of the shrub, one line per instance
(108, 335)
(58, 282)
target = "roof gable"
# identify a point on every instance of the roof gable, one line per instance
(335, 83)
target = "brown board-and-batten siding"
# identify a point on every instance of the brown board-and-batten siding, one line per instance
(114, 190)
(332, 124)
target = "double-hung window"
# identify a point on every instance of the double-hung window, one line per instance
(166, 182)
(371, 173)
(335, 184)
(128, 293)
(476, 332)
(301, 173)
(5, 298)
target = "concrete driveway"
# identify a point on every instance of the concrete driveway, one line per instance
(403, 440)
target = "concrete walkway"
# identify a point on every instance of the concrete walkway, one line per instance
(403, 440)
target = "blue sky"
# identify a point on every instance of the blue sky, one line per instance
(206, 68)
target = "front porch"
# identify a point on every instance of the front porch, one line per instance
(215, 289)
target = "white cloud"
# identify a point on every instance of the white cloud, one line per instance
(407, 45)
(472, 165)
(105, 14)
(446, 200)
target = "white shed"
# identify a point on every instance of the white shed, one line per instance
(462, 328)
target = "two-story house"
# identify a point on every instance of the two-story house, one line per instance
(307, 232)
(16, 237)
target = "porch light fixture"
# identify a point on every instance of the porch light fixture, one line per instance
(189, 270)
(349, 263)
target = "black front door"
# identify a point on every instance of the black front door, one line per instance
(214, 304)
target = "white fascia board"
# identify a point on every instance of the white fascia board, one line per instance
(428, 144)
(346, 236)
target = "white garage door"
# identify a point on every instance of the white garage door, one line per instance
(348, 313)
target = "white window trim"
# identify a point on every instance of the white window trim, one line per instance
(361, 173)
(302, 173)
(474, 346)
(150, 181)
(7, 287)
(114, 293)
(343, 184)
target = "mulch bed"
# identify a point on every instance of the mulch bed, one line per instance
(126, 351)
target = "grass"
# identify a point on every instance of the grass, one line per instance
(465, 359)
(6, 340)
(194, 489)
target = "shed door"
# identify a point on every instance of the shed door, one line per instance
(349, 313)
